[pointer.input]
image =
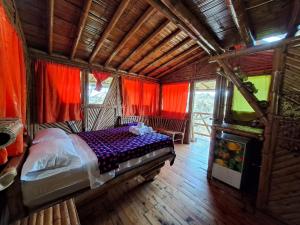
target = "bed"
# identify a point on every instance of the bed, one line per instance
(105, 155)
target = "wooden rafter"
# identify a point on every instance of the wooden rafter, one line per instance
(155, 49)
(167, 53)
(150, 11)
(109, 28)
(250, 98)
(157, 4)
(241, 20)
(185, 15)
(177, 58)
(254, 49)
(81, 25)
(145, 42)
(182, 64)
(50, 25)
(292, 25)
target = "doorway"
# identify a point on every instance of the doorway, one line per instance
(203, 106)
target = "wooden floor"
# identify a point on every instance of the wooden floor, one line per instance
(180, 194)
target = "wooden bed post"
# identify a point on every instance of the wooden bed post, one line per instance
(268, 145)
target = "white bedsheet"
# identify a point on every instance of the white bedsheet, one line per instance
(81, 175)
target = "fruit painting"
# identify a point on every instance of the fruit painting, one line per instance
(229, 154)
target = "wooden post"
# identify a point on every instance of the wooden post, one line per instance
(228, 114)
(215, 121)
(85, 87)
(189, 124)
(268, 146)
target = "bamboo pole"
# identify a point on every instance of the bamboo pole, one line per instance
(258, 48)
(213, 130)
(268, 145)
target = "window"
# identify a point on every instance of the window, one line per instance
(241, 110)
(97, 97)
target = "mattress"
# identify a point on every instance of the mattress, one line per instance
(80, 176)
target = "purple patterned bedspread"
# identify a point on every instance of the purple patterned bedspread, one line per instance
(116, 145)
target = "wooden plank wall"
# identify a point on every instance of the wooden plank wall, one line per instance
(200, 70)
(284, 195)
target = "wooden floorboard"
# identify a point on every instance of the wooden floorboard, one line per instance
(181, 194)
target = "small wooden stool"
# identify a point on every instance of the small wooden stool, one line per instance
(64, 213)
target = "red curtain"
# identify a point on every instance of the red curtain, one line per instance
(58, 91)
(12, 80)
(100, 77)
(174, 100)
(140, 97)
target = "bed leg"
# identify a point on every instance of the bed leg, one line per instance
(150, 175)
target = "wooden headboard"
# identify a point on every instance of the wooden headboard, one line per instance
(69, 127)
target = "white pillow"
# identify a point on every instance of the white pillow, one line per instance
(49, 134)
(49, 158)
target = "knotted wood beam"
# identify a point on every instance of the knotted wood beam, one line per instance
(250, 98)
(169, 52)
(155, 49)
(81, 25)
(145, 42)
(150, 11)
(108, 29)
(178, 58)
(50, 25)
(295, 14)
(241, 20)
(158, 5)
(188, 18)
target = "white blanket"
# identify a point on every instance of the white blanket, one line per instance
(140, 129)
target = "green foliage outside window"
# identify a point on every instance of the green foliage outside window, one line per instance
(241, 110)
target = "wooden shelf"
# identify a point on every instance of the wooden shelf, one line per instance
(246, 131)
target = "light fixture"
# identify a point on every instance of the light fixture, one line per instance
(274, 38)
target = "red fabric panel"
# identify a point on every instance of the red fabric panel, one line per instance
(174, 100)
(12, 80)
(58, 91)
(140, 97)
(100, 77)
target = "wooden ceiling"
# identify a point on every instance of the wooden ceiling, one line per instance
(150, 37)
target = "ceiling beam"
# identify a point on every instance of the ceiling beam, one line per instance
(295, 14)
(145, 42)
(50, 25)
(150, 11)
(250, 98)
(182, 64)
(178, 58)
(167, 53)
(157, 4)
(254, 49)
(155, 49)
(81, 25)
(241, 20)
(185, 15)
(108, 29)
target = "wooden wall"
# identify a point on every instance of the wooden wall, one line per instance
(283, 200)
(200, 70)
